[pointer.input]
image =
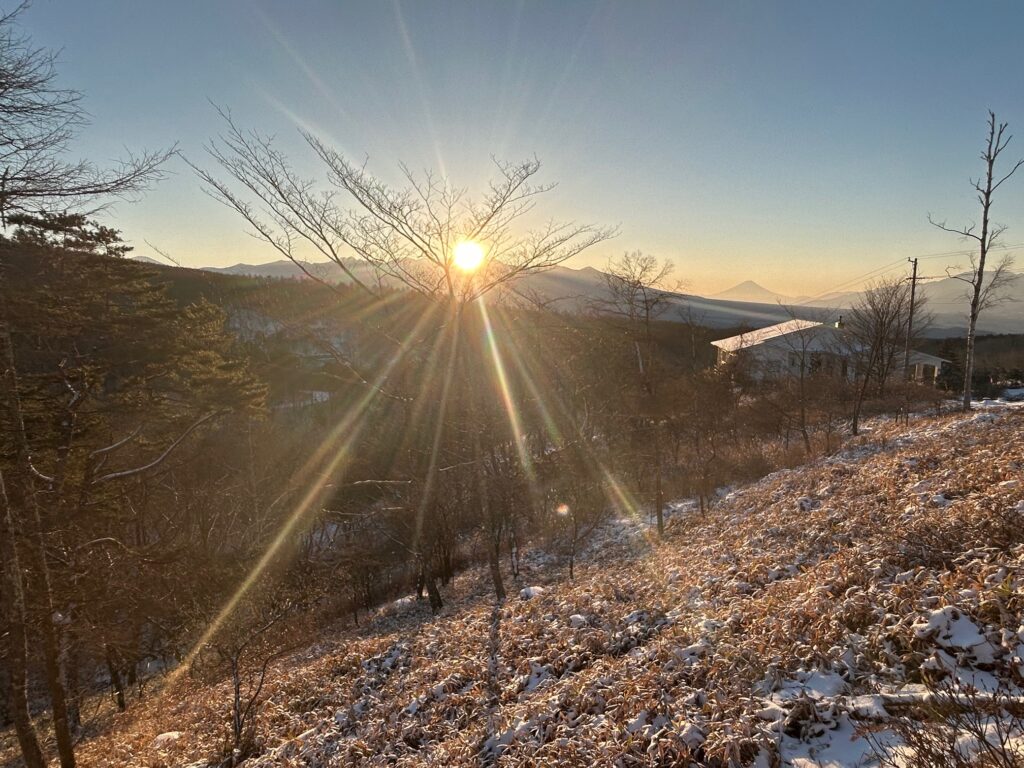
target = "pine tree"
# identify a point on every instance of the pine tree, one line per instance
(113, 379)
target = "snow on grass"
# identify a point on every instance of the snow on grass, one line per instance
(798, 611)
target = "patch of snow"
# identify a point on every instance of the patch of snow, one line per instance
(539, 673)
(951, 629)
(692, 735)
(816, 685)
(165, 740)
(806, 503)
(841, 747)
(639, 722)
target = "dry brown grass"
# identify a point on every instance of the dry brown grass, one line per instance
(691, 631)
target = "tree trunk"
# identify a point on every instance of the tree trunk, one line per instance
(447, 567)
(861, 394)
(659, 490)
(513, 553)
(803, 412)
(979, 274)
(487, 512)
(236, 709)
(572, 549)
(421, 582)
(495, 563)
(17, 700)
(115, 679)
(971, 332)
(133, 673)
(69, 664)
(54, 675)
(22, 501)
(12, 598)
(436, 603)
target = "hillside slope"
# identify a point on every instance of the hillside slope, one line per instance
(801, 610)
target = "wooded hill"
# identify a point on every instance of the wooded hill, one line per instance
(186, 507)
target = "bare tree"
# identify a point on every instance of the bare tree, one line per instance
(37, 122)
(22, 515)
(984, 292)
(638, 286)
(807, 353)
(15, 616)
(408, 235)
(242, 649)
(57, 479)
(637, 291)
(876, 332)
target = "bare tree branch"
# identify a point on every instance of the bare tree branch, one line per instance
(38, 120)
(159, 459)
(407, 235)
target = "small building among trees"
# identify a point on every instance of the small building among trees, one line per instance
(925, 368)
(800, 347)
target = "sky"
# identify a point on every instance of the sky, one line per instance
(798, 144)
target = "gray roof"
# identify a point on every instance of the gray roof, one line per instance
(923, 358)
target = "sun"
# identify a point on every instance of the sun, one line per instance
(468, 255)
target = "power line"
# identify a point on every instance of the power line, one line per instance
(860, 278)
(969, 251)
(879, 271)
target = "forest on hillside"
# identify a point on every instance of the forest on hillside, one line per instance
(214, 461)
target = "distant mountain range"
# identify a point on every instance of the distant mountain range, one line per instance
(284, 268)
(746, 304)
(946, 299)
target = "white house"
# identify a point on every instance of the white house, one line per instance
(925, 367)
(780, 350)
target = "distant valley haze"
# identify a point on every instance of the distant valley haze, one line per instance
(747, 304)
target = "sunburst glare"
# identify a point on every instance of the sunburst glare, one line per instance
(468, 256)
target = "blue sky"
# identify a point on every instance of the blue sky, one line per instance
(799, 144)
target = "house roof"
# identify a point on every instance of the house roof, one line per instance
(923, 358)
(761, 335)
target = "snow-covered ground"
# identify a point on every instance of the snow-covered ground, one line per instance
(807, 619)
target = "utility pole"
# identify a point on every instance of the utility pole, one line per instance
(910, 320)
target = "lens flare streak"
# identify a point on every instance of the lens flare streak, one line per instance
(506, 394)
(616, 491)
(351, 427)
